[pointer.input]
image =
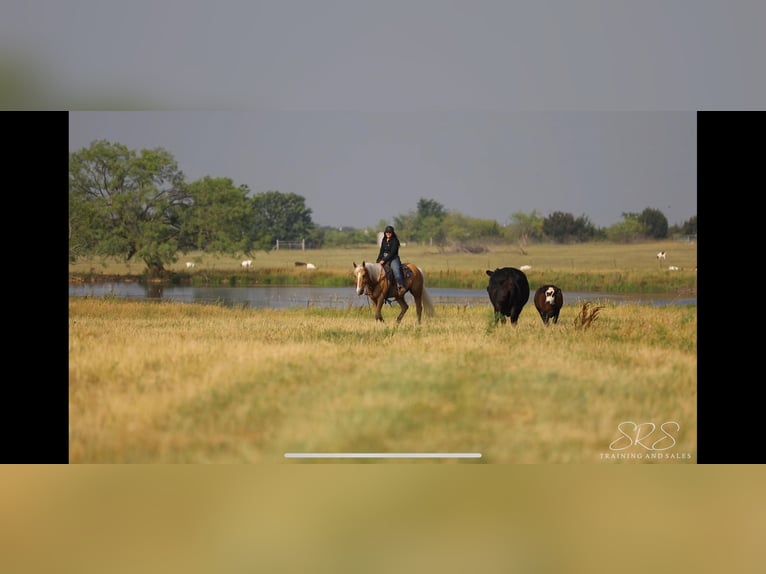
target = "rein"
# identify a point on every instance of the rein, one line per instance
(370, 288)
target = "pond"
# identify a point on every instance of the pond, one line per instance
(329, 297)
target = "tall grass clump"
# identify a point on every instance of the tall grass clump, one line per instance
(588, 313)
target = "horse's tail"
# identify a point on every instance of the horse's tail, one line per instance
(427, 303)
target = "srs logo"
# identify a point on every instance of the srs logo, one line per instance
(644, 435)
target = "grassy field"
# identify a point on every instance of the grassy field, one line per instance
(160, 382)
(588, 267)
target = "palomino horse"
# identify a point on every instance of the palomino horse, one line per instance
(372, 280)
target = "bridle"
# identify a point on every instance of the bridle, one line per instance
(369, 286)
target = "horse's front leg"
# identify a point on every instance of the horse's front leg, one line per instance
(404, 307)
(378, 309)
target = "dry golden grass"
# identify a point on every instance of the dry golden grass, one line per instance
(586, 257)
(156, 382)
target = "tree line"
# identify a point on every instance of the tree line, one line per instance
(138, 205)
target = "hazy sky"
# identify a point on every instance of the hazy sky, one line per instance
(490, 107)
(392, 55)
(356, 168)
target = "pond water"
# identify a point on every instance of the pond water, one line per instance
(329, 297)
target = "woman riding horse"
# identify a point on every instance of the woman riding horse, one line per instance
(371, 279)
(389, 253)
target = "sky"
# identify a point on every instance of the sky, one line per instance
(393, 55)
(490, 107)
(355, 169)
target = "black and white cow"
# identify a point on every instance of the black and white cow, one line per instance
(548, 301)
(508, 291)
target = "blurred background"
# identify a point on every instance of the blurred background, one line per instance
(373, 56)
(382, 519)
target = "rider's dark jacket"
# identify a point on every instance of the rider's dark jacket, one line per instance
(389, 249)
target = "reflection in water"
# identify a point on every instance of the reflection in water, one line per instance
(328, 297)
(154, 291)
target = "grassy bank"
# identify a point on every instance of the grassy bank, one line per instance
(158, 382)
(591, 267)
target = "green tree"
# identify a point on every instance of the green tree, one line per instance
(430, 230)
(626, 231)
(689, 227)
(526, 227)
(83, 233)
(345, 236)
(124, 203)
(564, 228)
(405, 226)
(217, 218)
(425, 225)
(430, 208)
(654, 222)
(458, 227)
(282, 216)
(586, 231)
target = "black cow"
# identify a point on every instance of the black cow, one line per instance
(548, 300)
(508, 291)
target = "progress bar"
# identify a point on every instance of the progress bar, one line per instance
(382, 455)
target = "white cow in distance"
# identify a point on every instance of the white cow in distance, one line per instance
(661, 255)
(190, 265)
(247, 264)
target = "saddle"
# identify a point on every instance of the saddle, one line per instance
(406, 275)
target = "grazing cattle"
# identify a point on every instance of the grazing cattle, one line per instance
(247, 264)
(661, 255)
(548, 301)
(190, 265)
(525, 267)
(508, 291)
(310, 266)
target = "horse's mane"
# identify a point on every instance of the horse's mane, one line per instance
(375, 270)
